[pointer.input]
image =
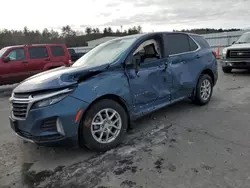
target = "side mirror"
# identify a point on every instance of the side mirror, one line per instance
(6, 59)
(137, 59)
(137, 62)
(233, 42)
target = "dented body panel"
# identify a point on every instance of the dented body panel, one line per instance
(156, 83)
(99, 86)
(149, 86)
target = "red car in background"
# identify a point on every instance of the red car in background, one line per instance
(20, 62)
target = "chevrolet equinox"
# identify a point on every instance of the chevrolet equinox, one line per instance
(93, 101)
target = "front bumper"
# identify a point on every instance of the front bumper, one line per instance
(54, 124)
(236, 63)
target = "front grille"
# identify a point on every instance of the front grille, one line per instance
(19, 110)
(21, 95)
(49, 125)
(239, 53)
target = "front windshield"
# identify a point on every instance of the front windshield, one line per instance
(245, 38)
(105, 53)
(2, 51)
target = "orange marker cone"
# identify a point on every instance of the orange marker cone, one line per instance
(218, 52)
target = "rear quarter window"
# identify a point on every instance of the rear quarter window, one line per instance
(57, 51)
(192, 44)
(201, 41)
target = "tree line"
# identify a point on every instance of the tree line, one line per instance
(206, 30)
(67, 36)
(73, 38)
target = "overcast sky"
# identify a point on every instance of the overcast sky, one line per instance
(152, 15)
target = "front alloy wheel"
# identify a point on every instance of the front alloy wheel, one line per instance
(104, 125)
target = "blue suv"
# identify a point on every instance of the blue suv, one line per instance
(93, 101)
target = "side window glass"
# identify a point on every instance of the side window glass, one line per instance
(16, 54)
(38, 52)
(148, 51)
(57, 51)
(192, 44)
(176, 43)
(201, 41)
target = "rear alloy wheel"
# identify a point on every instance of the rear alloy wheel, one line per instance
(104, 125)
(204, 90)
(226, 69)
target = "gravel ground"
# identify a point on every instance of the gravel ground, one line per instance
(183, 146)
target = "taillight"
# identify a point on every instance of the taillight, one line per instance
(215, 54)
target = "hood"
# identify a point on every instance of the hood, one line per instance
(239, 46)
(57, 78)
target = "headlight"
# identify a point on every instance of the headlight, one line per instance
(224, 51)
(49, 101)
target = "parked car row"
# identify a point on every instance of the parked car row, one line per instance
(93, 101)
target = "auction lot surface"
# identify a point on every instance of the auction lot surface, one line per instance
(183, 146)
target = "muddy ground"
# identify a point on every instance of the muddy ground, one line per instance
(183, 146)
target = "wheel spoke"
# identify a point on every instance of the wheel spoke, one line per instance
(111, 117)
(101, 135)
(97, 130)
(110, 132)
(107, 114)
(202, 95)
(97, 123)
(117, 128)
(205, 96)
(107, 135)
(208, 83)
(100, 116)
(114, 122)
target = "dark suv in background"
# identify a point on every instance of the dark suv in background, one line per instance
(93, 101)
(20, 62)
(75, 55)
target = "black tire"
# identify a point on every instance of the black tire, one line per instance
(226, 69)
(197, 96)
(86, 137)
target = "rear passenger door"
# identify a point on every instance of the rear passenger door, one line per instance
(184, 59)
(38, 58)
(58, 55)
